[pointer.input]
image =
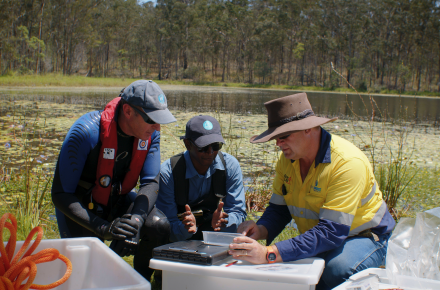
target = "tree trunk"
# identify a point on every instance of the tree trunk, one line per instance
(420, 77)
(377, 65)
(160, 59)
(290, 61)
(224, 62)
(350, 53)
(185, 58)
(69, 60)
(39, 37)
(212, 68)
(302, 68)
(383, 71)
(177, 63)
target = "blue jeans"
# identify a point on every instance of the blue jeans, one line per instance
(354, 255)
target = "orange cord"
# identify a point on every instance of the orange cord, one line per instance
(13, 273)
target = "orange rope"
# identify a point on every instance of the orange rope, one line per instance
(24, 265)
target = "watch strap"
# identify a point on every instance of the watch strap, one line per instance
(272, 253)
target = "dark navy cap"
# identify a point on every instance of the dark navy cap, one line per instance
(203, 130)
(150, 97)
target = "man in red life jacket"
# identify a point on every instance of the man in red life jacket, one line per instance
(103, 156)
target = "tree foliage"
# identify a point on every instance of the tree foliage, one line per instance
(388, 44)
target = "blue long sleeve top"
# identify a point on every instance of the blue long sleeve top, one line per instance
(199, 185)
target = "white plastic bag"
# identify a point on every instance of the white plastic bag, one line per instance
(413, 248)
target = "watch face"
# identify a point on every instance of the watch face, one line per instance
(272, 257)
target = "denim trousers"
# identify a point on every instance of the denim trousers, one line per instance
(354, 255)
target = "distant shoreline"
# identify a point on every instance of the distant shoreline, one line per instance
(53, 82)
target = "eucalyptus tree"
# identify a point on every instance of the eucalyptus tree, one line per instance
(392, 44)
(292, 24)
(69, 20)
(20, 34)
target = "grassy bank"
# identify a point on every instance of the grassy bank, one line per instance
(59, 80)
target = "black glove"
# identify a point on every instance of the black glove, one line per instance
(129, 245)
(120, 228)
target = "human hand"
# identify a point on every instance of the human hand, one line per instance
(128, 246)
(189, 220)
(119, 229)
(248, 249)
(252, 230)
(219, 218)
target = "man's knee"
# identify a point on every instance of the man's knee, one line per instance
(337, 270)
(355, 255)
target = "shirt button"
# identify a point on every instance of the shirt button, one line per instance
(301, 212)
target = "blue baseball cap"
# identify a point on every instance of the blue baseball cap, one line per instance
(203, 130)
(150, 97)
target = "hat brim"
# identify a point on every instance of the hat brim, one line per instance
(160, 116)
(205, 140)
(304, 124)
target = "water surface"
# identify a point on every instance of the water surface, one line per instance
(251, 101)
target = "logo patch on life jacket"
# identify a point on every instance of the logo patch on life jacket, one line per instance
(109, 153)
(105, 180)
(142, 145)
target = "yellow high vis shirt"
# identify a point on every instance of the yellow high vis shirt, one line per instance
(341, 188)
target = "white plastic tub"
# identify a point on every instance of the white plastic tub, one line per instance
(302, 275)
(403, 282)
(94, 266)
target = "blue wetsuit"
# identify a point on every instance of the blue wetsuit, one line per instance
(76, 172)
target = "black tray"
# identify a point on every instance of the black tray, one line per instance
(194, 252)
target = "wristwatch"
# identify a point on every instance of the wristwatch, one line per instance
(271, 255)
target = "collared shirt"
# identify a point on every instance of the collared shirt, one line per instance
(338, 198)
(200, 185)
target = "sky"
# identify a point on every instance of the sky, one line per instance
(143, 1)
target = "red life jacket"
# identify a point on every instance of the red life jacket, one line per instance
(106, 162)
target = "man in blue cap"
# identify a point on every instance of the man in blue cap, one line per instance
(197, 185)
(103, 156)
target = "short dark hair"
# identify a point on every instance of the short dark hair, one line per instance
(121, 105)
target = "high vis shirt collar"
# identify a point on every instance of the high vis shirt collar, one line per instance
(324, 152)
(191, 171)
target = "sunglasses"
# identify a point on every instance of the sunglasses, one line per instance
(215, 147)
(284, 137)
(144, 116)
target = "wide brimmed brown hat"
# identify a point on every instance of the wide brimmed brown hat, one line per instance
(287, 115)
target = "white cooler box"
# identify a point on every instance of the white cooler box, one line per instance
(301, 275)
(404, 282)
(94, 266)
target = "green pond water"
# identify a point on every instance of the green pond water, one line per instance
(46, 114)
(251, 101)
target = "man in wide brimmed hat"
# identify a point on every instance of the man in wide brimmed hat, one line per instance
(326, 184)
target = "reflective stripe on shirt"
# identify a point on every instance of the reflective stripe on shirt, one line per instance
(369, 196)
(375, 221)
(277, 199)
(336, 216)
(303, 212)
